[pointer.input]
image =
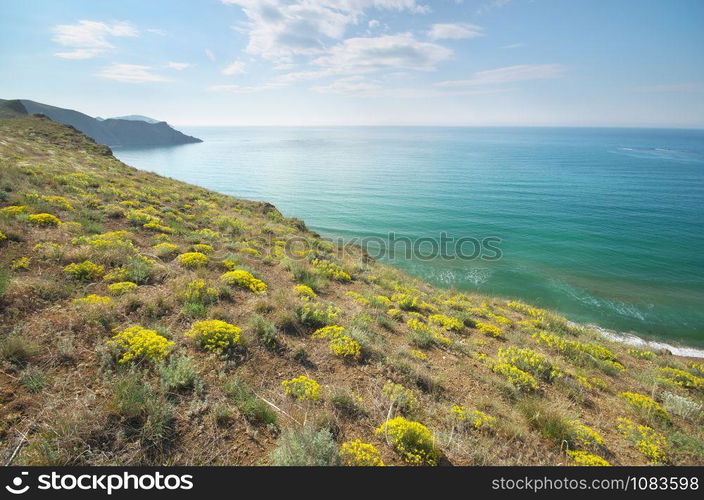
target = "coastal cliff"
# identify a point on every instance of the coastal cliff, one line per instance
(124, 132)
(147, 321)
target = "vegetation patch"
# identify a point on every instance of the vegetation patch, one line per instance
(243, 279)
(411, 440)
(215, 335)
(140, 344)
(302, 388)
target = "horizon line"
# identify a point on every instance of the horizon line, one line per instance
(433, 125)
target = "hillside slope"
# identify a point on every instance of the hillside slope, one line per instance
(113, 131)
(12, 108)
(147, 321)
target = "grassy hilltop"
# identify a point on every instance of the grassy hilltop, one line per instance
(147, 321)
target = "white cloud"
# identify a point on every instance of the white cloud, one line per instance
(364, 55)
(513, 45)
(302, 76)
(234, 68)
(357, 56)
(280, 29)
(492, 4)
(156, 31)
(131, 73)
(79, 54)
(178, 66)
(359, 86)
(689, 88)
(425, 93)
(521, 72)
(305, 41)
(454, 31)
(88, 39)
(209, 54)
(349, 85)
(240, 89)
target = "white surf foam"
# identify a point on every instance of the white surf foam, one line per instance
(636, 341)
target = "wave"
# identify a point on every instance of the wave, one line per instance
(663, 153)
(635, 340)
(474, 276)
(623, 309)
(477, 275)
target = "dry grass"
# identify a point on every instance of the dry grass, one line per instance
(65, 400)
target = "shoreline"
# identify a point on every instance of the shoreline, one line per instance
(632, 339)
(637, 341)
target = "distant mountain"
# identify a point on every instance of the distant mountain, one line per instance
(136, 118)
(10, 109)
(125, 131)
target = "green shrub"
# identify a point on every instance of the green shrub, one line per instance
(166, 249)
(18, 350)
(231, 225)
(143, 412)
(34, 379)
(303, 275)
(265, 331)
(252, 408)
(421, 337)
(4, 280)
(681, 406)
(316, 315)
(688, 448)
(348, 404)
(306, 447)
(177, 374)
(198, 297)
(139, 270)
(550, 423)
(401, 398)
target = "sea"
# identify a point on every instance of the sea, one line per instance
(603, 225)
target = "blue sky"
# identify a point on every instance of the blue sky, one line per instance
(355, 62)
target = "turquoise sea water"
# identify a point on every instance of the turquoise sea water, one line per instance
(603, 225)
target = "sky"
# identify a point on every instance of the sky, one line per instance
(361, 62)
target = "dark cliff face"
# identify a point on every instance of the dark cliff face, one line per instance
(139, 133)
(113, 132)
